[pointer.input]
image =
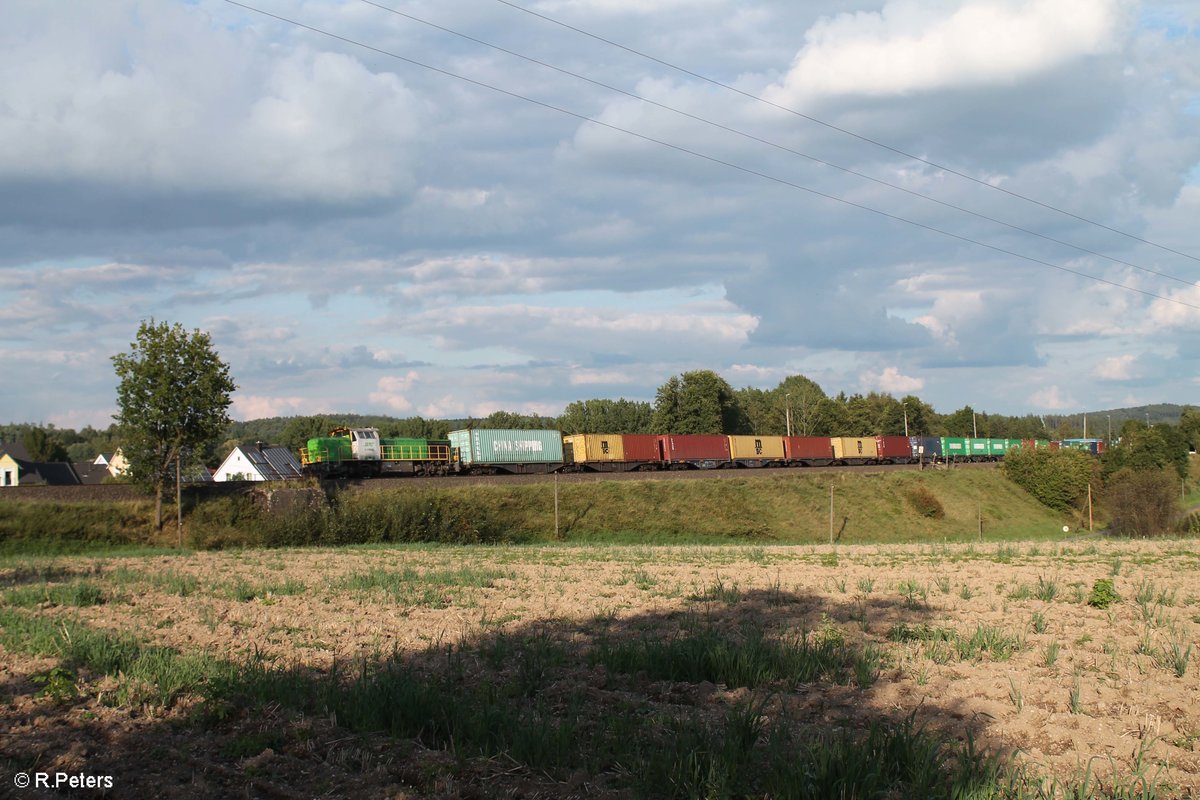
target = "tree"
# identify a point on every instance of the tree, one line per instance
(1189, 426)
(606, 416)
(807, 402)
(1142, 502)
(698, 402)
(173, 397)
(43, 445)
(1057, 478)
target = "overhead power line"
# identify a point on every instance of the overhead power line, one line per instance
(769, 143)
(703, 156)
(845, 131)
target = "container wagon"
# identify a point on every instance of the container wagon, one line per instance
(757, 451)
(694, 451)
(854, 450)
(489, 451)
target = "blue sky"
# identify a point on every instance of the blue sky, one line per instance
(360, 234)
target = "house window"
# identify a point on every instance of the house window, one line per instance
(8, 477)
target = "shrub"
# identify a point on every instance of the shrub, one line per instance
(1057, 478)
(1142, 502)
(925, 502)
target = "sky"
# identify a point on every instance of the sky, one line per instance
(446, 208)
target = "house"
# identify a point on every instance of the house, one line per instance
(259, 462)
(117, 464)
(16, 469)
(10, 470)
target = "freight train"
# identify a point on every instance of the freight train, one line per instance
(363, 452)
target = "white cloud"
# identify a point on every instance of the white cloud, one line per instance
(392, 391)
(1116, 368)
(1052, 398)
(258, 406)
(167, 101)
(914, 45)
(892, 381)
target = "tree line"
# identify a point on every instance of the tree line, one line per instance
(699, 401)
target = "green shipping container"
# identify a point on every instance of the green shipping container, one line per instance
(487, 446)
(955, 447)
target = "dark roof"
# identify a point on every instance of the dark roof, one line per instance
(90, 472)
(57, 473)
(274, 463)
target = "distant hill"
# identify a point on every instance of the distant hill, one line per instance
(1098, 421)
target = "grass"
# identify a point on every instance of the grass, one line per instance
(77, 593)
(767, 508)
(983, 640)
(429, 589)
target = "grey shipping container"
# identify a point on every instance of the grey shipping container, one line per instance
(488, 446)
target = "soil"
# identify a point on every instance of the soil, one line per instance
(1087, 687)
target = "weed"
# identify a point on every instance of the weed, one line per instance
(1015, 695)
(1050, 654)
(1021, 592)
(913, 593)
(720, 593)
(966, 592)
(1038, 621)
(943, 584)
(1174, 657)
(1075, 704)
(1047, 590)
(1103, 594)
(57, 683)
(1005, 554)
(866, 585)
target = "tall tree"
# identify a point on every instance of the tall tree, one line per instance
(606, 416)
(173, 397)
(698, 402)
(807, 403)
(43, 445)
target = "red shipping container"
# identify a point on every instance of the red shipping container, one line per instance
(694, 448)
(641, 447)
(808, 448)
(894, 448)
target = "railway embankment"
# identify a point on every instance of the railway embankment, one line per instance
(804, 507)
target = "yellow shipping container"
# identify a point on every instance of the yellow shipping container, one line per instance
(596, 447)
(768, 448)
(848, 447)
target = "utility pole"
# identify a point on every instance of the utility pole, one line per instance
(787, 412)
(556, 505)
(1089, 506)
(904, 406)
(974, 428)
(178, 499)
(831, 513)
